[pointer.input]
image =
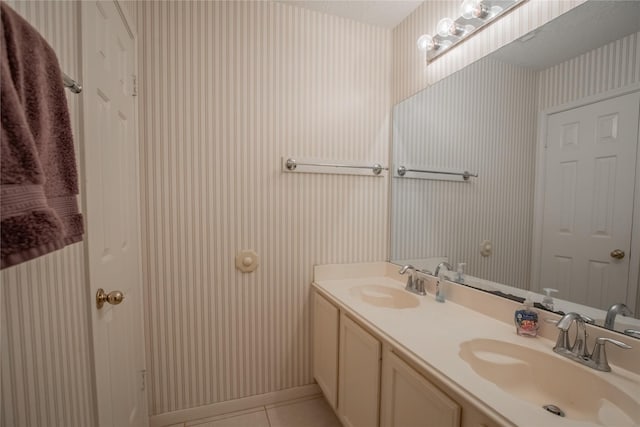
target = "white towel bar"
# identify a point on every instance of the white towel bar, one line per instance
(290, 164)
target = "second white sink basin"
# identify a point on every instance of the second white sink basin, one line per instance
(385, 296)
(544, 379)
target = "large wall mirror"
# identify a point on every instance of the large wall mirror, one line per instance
(550, 125)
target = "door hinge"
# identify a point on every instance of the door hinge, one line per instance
(134, 85)
(143, 379)
(546, 140)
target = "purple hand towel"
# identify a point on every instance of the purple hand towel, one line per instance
(38, 176)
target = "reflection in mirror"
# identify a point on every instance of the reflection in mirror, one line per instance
(550, 124)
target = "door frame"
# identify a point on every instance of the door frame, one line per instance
(633, 284)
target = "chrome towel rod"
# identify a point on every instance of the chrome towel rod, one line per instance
(465, 175)
(71, 84)
(292, 164)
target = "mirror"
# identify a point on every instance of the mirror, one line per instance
(547, 209)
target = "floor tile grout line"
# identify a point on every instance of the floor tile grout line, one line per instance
(267, 414)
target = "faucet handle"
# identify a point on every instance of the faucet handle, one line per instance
(603, 340)
(599, 355)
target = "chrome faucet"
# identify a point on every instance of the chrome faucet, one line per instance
(579, 347)
(442, 264)
(578, 351)
(415, 283)
(613, 311)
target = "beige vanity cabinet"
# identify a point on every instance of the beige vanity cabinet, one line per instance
(409, 400)
(325, 347)
(369, 387)
(359, 378)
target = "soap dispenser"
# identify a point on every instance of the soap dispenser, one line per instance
(526, 318)
(547, 300)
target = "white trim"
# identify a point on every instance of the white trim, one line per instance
(633, 286)
(221, 408)
(538, 203)
(538, 199)
(592, 99)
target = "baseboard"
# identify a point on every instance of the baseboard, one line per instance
(229, 406)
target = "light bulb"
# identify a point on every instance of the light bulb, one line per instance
(444, 27)
(470, 9)
(448, 27)
(425, 42)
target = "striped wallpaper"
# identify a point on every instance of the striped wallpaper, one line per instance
(464, 123)
(47, 377)
(226, 89)
(612, 66)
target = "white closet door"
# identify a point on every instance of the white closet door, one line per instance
(112, 212)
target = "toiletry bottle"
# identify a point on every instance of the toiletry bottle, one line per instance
(526, 318)
(439, 292)
(547, 300)
(460, 272)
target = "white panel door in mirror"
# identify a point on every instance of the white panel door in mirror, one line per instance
(590, 170)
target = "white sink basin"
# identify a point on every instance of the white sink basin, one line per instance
(385, 296)
(542, 379)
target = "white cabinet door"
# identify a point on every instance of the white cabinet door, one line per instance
(358, 394)
(325, 347)
(409, 400)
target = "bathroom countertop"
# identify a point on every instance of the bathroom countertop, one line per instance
(431, 335)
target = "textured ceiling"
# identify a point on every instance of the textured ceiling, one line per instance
(385, 14)
(588, 26)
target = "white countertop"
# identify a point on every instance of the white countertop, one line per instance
(432, 332)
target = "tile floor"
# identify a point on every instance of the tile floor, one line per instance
(306, 412)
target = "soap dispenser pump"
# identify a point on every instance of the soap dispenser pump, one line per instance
(547, 300)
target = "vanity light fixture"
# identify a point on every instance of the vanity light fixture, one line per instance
(474, 15)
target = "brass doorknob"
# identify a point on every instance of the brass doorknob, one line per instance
(113, 297)
(617, 254)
